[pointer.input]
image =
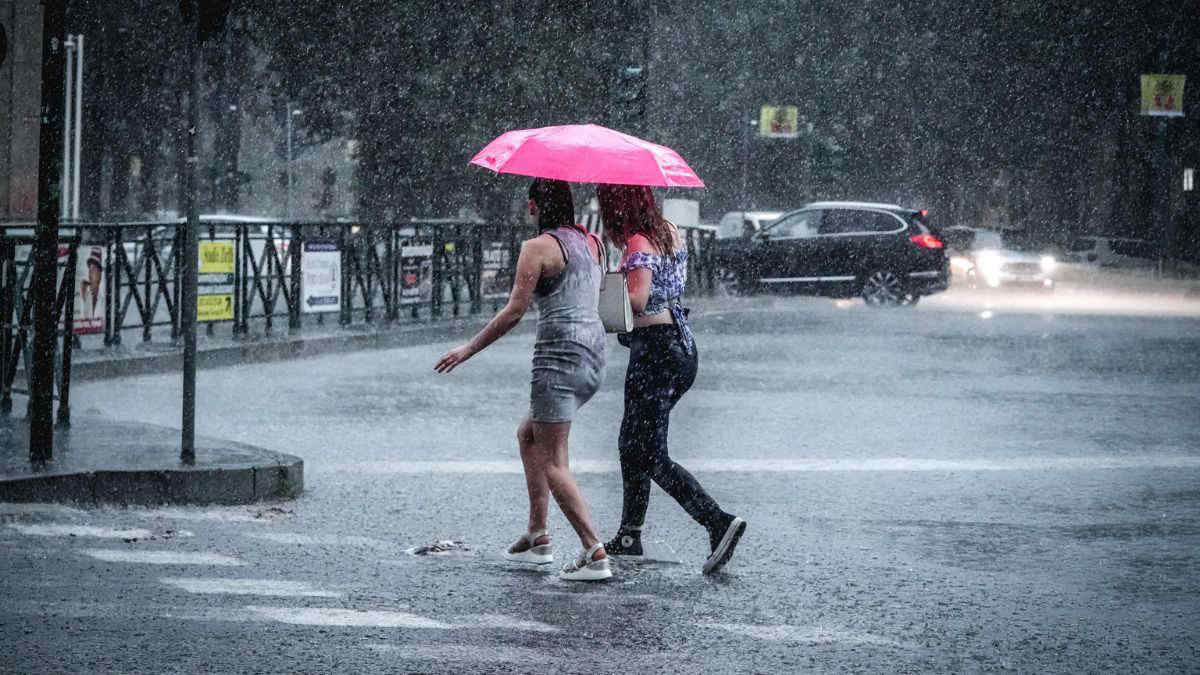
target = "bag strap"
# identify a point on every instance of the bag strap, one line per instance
(600, 249)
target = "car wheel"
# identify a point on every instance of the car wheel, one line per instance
(883, 289)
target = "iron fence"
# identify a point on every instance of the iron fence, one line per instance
(254, 271)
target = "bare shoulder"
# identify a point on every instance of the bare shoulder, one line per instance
(638, 243)
(539, 245)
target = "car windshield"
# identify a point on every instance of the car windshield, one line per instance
(1018, 241)
(987, 239)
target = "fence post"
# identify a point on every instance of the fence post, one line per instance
(8, 277)
(435, 274)
(68, 339)
(294, 251)
(148, 280)
(475, 290)
(391, 280)
(112, 241)
(347, 286)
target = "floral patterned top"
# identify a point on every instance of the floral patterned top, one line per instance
(668, 276)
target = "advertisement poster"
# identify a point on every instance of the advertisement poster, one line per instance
(216, 257)
(416, 273)
(88, 289)
(321, 283)
(214, 307)
(1162, 95)
(214, 299)
(779, 121)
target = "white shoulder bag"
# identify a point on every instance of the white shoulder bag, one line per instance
(615, 311)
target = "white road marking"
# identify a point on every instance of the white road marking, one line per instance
(327, 616)
(163, 557)
(17, 509)
(272, 587)
(508, 622)
(802, 465)
(221, 515)
(819, 635)
(442, 653)
(312, 540)
(50, 530)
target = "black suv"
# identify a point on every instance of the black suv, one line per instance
(886, 253)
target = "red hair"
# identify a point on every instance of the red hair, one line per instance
(630, 209)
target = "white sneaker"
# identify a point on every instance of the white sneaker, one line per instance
(526, 551)
(583, 568)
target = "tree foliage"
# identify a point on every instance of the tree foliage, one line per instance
(1006, 113)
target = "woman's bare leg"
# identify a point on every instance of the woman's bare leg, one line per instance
(549, 452)
(535, 477)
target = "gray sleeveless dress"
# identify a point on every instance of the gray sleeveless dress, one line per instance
(568, 356)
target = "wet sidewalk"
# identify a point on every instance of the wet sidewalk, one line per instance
(102, 461)
(105, 461)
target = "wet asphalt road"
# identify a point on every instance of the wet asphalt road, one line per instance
(974, 484)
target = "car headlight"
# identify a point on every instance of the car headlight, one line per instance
(1048, 263)
(989, 263)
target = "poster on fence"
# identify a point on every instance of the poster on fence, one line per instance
(321, 283)
(216, 257)
(87, 289)
(214, 281)
(416, 273)
(214, 307)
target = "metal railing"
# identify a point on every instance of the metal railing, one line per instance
(389, 272)
(16, 315)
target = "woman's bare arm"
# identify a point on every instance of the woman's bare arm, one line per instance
(529, 269)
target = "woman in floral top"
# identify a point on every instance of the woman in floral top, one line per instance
(662, 366)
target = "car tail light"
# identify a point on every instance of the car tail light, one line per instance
(926, 241)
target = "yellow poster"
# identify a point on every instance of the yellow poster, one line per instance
(215, 307)
(779, 121)
(216, 257)
(1162, 95)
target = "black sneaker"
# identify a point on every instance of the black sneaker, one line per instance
(723, 540)
(627, 544)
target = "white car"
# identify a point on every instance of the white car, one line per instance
(992, 259)
(744, 223)
(1112, 252)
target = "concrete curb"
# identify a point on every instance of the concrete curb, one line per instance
(102, 461)
(215, 485)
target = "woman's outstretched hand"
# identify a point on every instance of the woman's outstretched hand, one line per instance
(452, 358)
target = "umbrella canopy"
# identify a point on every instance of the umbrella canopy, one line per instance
(586, 153)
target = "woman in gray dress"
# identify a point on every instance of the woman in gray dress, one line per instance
(561, 271)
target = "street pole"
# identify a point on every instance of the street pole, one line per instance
(45, 249)
(287, 197)
(188, 261)
(78, 117)
(68, 78)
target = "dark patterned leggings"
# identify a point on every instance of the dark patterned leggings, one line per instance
(660, 372)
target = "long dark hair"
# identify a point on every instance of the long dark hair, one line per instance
(555, 206)
(630, 209)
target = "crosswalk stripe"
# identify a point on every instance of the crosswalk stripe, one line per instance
(271, 587)
(799, 465)
(163, 557)
(805, 634)
(54, 530)
(329, 616)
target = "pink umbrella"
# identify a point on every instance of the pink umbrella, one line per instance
(586, 153)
